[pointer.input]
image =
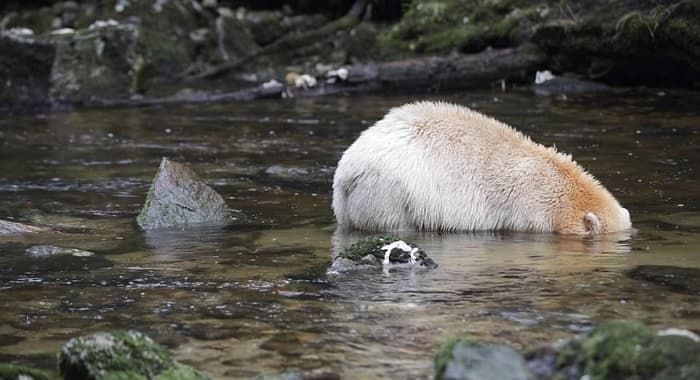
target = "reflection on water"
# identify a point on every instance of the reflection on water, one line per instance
(254, 297)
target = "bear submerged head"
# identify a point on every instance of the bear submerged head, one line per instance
(614, 220)
(598, 213)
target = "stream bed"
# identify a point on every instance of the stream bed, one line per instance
(254, 298)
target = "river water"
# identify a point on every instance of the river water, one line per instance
(253, 298)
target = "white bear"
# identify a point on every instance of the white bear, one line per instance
(439, 166)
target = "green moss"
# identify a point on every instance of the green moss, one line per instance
(181, 372)
(628, 350)
(120, 356)
(13, 372)
(613, 349)
(444, 355)
(468, 26)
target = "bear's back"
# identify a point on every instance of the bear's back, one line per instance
(438, 166)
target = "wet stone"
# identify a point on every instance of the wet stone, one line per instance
(568, 86)
(25, 69)
(120, 355)
(376, 252)
(52, 250)
(316, 374)
(465, 359)
(679, 279)
(8, 227)
(178, 197)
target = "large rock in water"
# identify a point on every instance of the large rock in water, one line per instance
(120, 355)
(178, 197)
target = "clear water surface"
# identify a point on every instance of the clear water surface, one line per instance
(253, 297)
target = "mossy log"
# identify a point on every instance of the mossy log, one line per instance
(456, 71)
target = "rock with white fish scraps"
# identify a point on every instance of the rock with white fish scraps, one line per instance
(335, 75)
(377, 252)
(305, 81)
(543, 76)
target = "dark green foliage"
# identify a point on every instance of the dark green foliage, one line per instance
(16, 372)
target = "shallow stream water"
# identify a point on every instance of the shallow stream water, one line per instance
(253, 297)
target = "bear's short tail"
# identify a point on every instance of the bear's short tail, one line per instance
(340, 203)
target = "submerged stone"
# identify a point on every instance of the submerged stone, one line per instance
(567, 85)
(316, 374)
(374, 252)
(466, 359)
(17, 372)
(178, 197)
(52, 250)
(8, 227)
(120, 355)
(679, 279)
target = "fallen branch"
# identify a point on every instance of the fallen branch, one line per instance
(290, 42)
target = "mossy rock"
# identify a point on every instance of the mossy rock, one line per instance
(120, 355)
(618, 43)
(17, 372)
(621, 350)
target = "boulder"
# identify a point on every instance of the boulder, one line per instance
(178, 197)
(466, 359)
(106, 62)
(25, 69)
(613, 350)
(120, 355)
(621, 350)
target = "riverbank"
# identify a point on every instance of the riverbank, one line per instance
(140, 53)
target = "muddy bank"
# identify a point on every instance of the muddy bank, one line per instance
(133, 53)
